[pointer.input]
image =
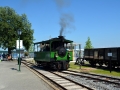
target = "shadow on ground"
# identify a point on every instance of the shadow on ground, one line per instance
(14, 69)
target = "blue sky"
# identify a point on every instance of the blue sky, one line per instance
(98, 19)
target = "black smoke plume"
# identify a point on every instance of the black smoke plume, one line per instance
(24, 3)
(66, 21)
(62, 3)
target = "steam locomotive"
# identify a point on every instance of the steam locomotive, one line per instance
(53, 53)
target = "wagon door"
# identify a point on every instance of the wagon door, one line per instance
(86, 53)
(101, 54)
(91, 53)
(95, 54)
(114, 54)
(118, 56)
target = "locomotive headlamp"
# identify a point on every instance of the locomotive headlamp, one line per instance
(69, 55)
(55, 55)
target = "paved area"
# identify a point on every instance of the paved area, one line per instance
(12, 79)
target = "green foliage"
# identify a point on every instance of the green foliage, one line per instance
(31, 49)
(88, 44)
(10, 22)
(26, 53)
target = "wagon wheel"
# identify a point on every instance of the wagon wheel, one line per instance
(113, 66)
(107, 64)
(100, 64)
(90, 62)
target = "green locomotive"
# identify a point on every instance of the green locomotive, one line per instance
(54, 53)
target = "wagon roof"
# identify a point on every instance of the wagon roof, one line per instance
(54, 39)
(103, 48)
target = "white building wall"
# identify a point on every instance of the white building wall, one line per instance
(76, 53)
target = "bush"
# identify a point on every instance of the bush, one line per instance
(26, 53)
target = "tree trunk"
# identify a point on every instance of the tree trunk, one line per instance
(10, 52)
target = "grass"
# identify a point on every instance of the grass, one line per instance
(73, 66)
(93, 70)
(107, 72)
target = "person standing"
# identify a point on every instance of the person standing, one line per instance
(4, 57)
(9, 57)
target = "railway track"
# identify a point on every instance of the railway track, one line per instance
(98, 82)
(73, 80)
(110, 79)
(61, 82)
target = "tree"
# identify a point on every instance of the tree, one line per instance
(31, 49)
(88, 44)
(10, 22)
(26, 53)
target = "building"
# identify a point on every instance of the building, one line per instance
(77, 51)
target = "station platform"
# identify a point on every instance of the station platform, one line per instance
(12, 79)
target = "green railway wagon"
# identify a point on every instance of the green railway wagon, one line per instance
(54, 53)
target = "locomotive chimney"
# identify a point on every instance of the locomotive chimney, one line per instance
(61, 37)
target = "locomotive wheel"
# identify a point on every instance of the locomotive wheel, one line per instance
(59, 66)
(67, 66)
(36, 63)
